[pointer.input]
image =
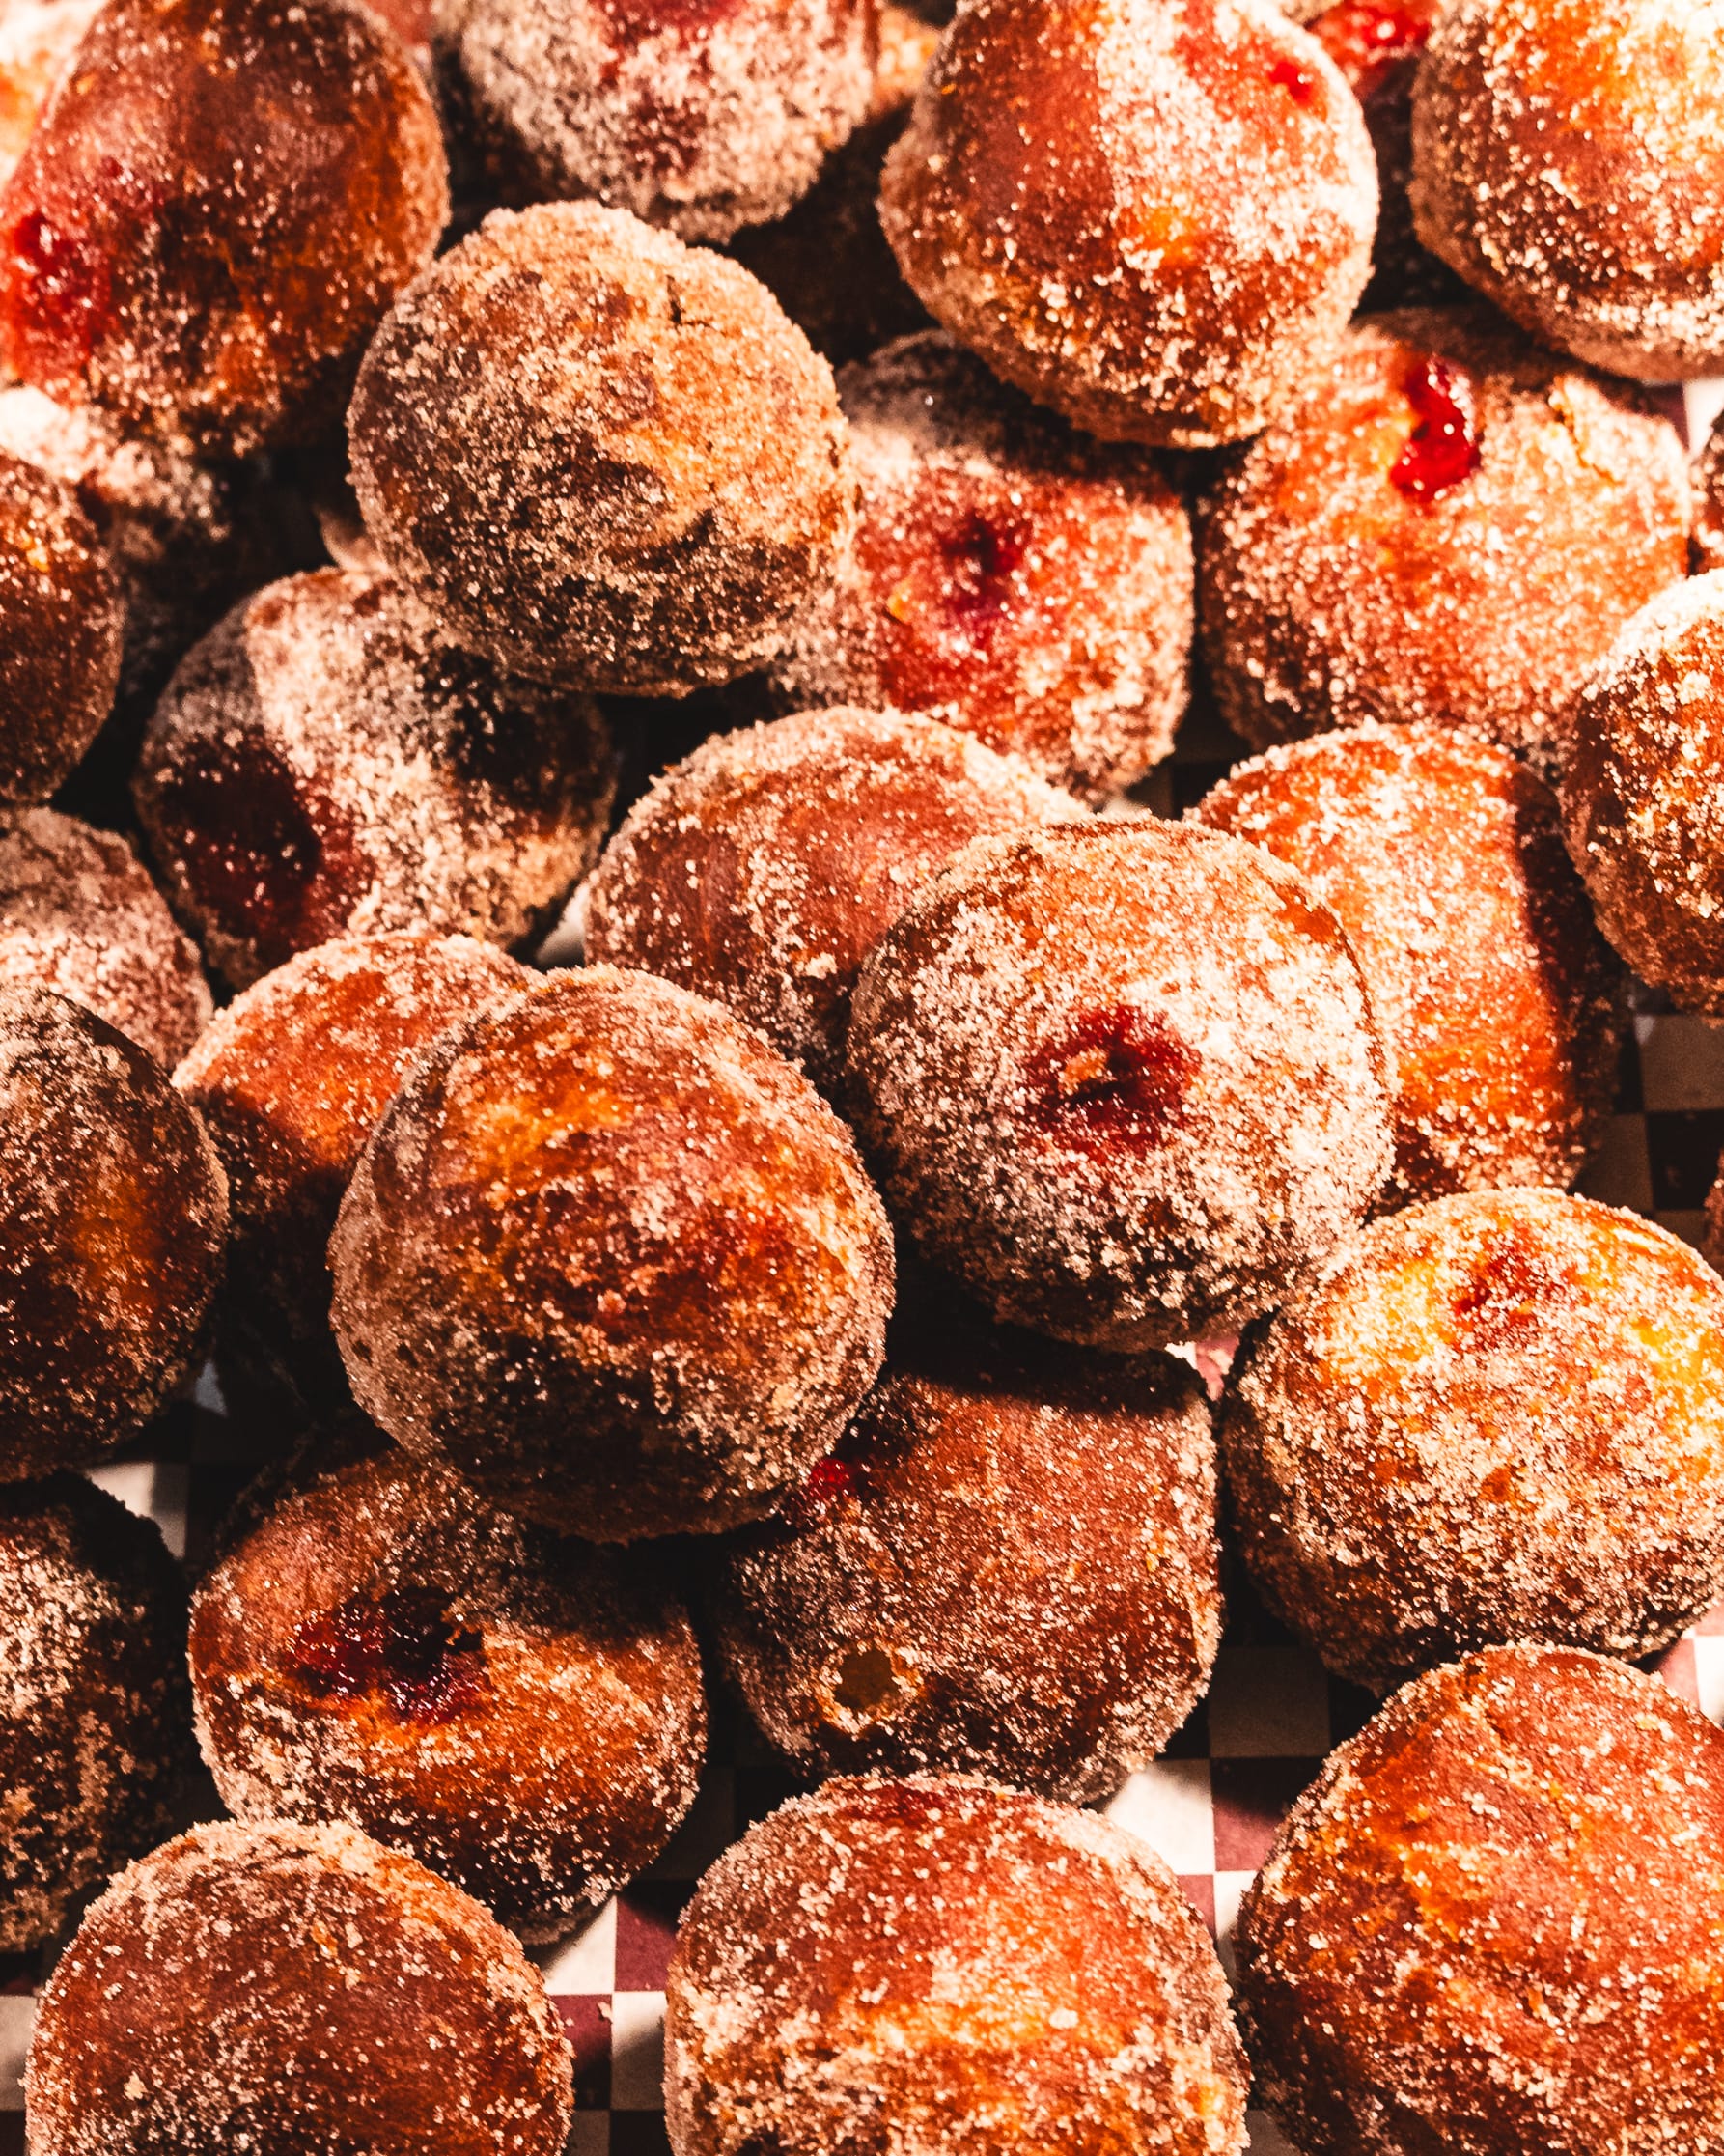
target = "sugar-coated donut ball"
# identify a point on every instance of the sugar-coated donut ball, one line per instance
(926, 1964)
(95, 1716)
(1121, 1080)
(80, 914)
(1007, 575)
(764, 869)
(603, 457)
(1453, 526)
(1495, 1418)
(214, 211)
(1442, 857)
(289, 1082)
(61, 623)
(700, 115)
(615, 1260)
(1155, 215)
(1009, 1567)
(1490, 1925)
(1643, 760)
(525, 1716)
(281, 1988)
(1569, 163)
(113, 1215)
(326, 761)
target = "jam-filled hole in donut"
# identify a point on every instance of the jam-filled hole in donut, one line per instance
(1444, 448)
(402, 1646)
(1120, 1075)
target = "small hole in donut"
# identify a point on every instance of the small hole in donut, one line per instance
(868, 1685)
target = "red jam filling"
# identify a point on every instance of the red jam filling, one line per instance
(1118, 1076)
(401, 1648)
(1443, 448)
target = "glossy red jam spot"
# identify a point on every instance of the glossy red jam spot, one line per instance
(1118, 1076)
(1510, 1292)
(1443, 448)
(401, 1648)
(831, 1482)
(61, 295)
(981, 555)
(1299, 83)
(1369, 40)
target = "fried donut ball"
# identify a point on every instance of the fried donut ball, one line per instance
(1489, 1927)
(1007, 576)
(700, 115)
(613, 1259)
(764, 869)
(1496, 1417)
(282, 1988)
(37, 39)
(1442, 857)
(1154, 215)
(1121, 1080)
(80, 914)
(327, 762)
(1643, 757)
(94, 1716)
(527, 1717)
(602, 456)
(1453, 528)
(1009, 1567)
(826, 260)
(61, 623)
(1709, 503)
(215, 212)
(289, 1082)
(1569, 163)
(943, 1964)
(113, 1214)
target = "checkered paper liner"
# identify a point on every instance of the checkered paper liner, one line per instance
(1211, 1806)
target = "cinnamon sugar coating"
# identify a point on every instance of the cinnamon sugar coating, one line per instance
(1482, 1930)
(764, 869)
(1154, 215)
(1496, 1417)
(94, 1716)
(703, 116)
(1009, 1567)
(1569, 163)
(1442, 857)
(922, 1963)
(60, 630)
(1346, 570)
(113, 1215)
(527, 1716)
(289, 1082)
(282, 1988)
(326, 761)
(602, 456)
(1642, 747)
(1007, 576)
(80, 914)
(1121, 1079)
(614, 1260)
(213, 214)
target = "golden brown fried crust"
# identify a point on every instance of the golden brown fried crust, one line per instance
(615, 1260)
(1482, 1931)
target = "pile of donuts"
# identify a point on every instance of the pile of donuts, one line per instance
(426, 493)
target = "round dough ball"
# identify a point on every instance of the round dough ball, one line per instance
(615, 1260)
(1121, 1079)
(601, 456)
(1442, 857)
(1490, 1926)
(1642, 792)
(61, 623)
(282, 1988)
(1496, 1417)
(1569, 163)
(527, 1716)
(1007, 576)
(929, 1964)
(113, 1217)
(80, 914)
(94, 1716)
(1453, 528)
(1155, 215)
(763, 868)
(1009, 1567)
